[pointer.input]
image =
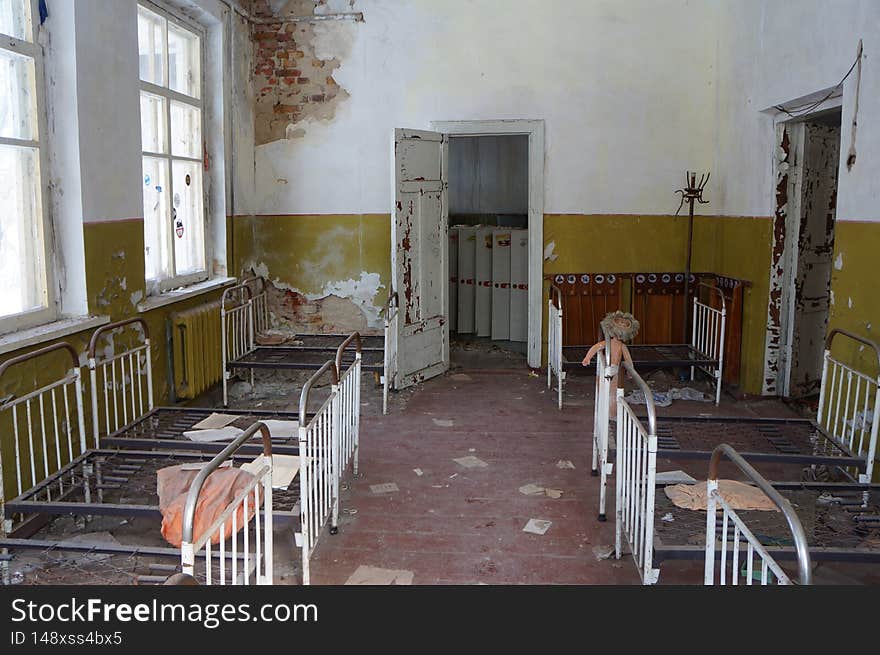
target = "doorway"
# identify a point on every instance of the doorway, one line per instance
(496, 187)
(808, 249)
(488, 249)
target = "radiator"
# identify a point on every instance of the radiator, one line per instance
(196, 349)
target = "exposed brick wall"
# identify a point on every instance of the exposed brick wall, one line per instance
(291, 83)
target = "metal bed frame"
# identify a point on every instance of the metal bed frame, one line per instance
(124, 414)
(843, 434)
(89, 481)
(843, 517)
(244, 314)
(705, 352)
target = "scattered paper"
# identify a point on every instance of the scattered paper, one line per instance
(461, 377)
(564, 464)
(282, 429)
(418, 472)
(472, 450)
(443, 422)
(373, 575)
(454, 475)
(471, 462)
(215, 421)
(531, 489)
(284, 469)
(668, 517)
(674, 477)
(221, 434)
(537, 526)
(553, 493)
(385, 488)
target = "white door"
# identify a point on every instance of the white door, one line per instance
(419, 251)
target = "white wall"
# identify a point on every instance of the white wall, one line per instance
(627, 90)
(777, 51)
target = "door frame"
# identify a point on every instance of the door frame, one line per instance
(534, 129)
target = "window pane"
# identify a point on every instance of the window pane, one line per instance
(157, 219)
(15, 19)
(22, 265)
(188, 216)
(151, 46)
(186, 130)
(184, 64)
(18, 110)
(153, 132)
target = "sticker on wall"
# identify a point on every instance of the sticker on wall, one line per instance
(187, 179)
(599, 278)
(158, 189)
(559, 279)
(177, 200)
(147, 180)
(585, 278)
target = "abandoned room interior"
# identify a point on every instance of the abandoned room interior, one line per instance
(401, 292)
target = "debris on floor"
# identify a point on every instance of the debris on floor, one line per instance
(665, 398)
(537, 526)
(373, 575)
(470, 462)
(461, 377)
(384, 488)
(217, 434)
(532, 489)
(418, 472)
(673, 477)
(443, 422)
(603, 552)
(564, 464)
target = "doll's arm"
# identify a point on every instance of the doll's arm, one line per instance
(592, 352)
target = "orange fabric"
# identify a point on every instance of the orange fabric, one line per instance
(219, 490)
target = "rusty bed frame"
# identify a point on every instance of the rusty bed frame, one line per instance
(843, 435)
(705, 352)
(840, 522)
(244, 316)
(61, 468)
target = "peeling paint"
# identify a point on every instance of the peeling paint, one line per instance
(549, 255)
(838, 261)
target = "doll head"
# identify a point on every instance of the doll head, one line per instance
(620, 325)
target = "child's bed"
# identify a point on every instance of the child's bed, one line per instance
(841, 521)
(705, 352)
(244, 317)
(843, 434)
(58, 469)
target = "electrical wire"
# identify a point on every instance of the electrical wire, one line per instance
(810, 106)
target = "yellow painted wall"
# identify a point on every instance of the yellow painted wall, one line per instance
(856, 289)
(307, 252)
(114, 272)
(733, 246)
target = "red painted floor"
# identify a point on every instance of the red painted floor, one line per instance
(454, 525)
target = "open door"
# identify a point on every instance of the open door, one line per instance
(419, 251)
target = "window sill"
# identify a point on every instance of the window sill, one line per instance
(49, 332)
(176, 295)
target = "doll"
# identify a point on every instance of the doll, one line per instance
(618, 328)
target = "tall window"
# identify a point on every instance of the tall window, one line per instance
(171, 140)
(26, 297)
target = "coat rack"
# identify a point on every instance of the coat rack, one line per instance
(691, 193)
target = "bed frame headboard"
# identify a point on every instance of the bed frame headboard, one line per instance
(849, 402)
(122, 381)
(47, 424)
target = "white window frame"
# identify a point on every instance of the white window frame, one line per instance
(161, 285)
(49, 311)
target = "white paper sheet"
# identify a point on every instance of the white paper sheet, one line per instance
(284, 469)
(220, 434)
(282, 429)
(215, 421)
